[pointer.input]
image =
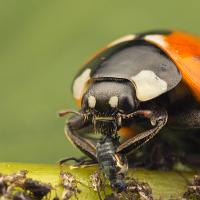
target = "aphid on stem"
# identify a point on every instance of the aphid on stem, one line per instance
(70, 186)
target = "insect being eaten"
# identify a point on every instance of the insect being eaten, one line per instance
(69, 184)
(18, 187)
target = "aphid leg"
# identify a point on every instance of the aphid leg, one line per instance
(158, 119)
(97, 184)
(75, 129)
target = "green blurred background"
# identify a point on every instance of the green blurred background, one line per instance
(42, 45)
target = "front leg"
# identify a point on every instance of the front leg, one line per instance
(75, 129)
(158, 118)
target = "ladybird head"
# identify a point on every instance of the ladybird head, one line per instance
(105, 100)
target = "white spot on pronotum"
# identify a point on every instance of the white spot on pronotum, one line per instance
(148, 85)
(91, 101)
(122, 39)
(158, 39)
(80, 83)
(113, 101)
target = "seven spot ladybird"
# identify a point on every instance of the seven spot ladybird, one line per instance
(149, 80)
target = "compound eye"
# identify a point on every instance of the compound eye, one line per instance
(91, 101)
(113, 101)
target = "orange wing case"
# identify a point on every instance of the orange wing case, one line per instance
(184, 50)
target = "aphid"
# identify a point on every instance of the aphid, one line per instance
(135, 191)
(97, 183)
(69, 184)
(134, 88)
(17, 186)
(17, 178)
(38, 189)
(10, 181)
(139, 190)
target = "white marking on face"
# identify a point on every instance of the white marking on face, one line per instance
(122, 39)
(113, 101)
(91, 101)
(148, 85)
(80, 83)
(158, 39)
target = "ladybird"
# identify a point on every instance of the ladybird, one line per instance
(133, 89)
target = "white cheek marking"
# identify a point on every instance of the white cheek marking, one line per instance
(80, 83)
(158, 39)
(113, 101)
(148, 85)
(122, 39)
(91, 101)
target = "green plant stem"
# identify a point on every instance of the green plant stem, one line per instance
(164, 184)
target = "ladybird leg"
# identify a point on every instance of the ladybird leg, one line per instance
(77, 160)
(85, 163)
(75, 129)
(157, 118)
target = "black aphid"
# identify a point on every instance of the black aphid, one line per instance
(38, 189)
(8, 182)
